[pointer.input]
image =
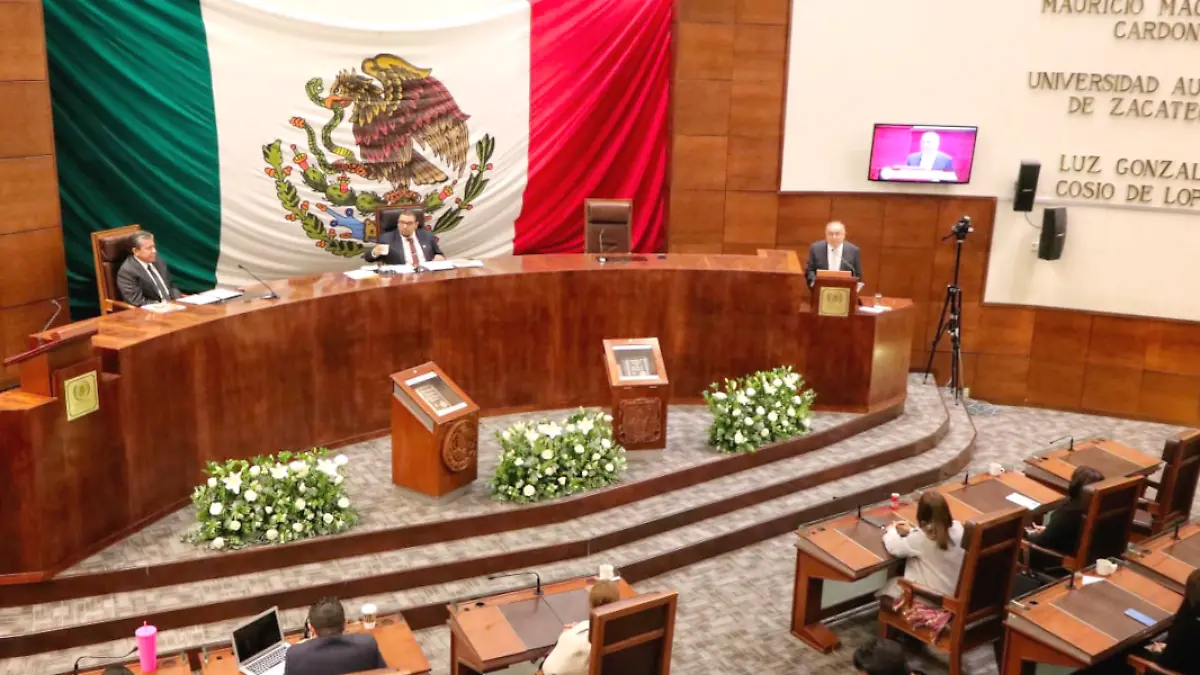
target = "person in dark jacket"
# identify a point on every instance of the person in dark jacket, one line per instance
(332, 652)
(1066, 523)
(1179, 652)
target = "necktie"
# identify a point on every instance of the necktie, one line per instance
(413, 258)
(163, 293)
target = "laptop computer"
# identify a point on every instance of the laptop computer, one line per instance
(258, 645)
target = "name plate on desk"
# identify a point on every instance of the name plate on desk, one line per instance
(82, 395)
(834, 301)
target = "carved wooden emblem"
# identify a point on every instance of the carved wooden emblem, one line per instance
(459, 447)
(640, 420)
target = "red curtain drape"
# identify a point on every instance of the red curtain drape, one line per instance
(598, 123)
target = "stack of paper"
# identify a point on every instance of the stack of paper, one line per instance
(1021, 500)
(463, 262)
(437, 265)
(163, 307)
(211, 296)
(396, 269)
(361, 274)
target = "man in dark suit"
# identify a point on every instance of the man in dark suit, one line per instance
(405, 245)
(143, 278)
(929, 157)
(835, 253)
(331, 652)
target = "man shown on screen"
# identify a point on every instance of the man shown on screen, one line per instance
(835, 253)
(929, 158)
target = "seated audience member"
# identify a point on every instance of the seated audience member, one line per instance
(330, 651)
(934, 549)
(116, 670)
(882, 657)
(570, 654)
(143, 278)
(1066, 523)
(1180, 651)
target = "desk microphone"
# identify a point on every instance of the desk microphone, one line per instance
(271, 294)
(57, 311)
(126, 655)
(967, 478)
(1070, 448)
(538, 577)
(1175, 536)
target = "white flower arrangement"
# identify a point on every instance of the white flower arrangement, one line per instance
(545, 460)
(272, 500)
(758, 409)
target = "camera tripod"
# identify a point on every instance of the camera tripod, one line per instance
(950, 322)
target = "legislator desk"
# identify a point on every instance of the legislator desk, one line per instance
(1082, 626)
(495, 632)
(1168, 559)
(311, 368)
(1112, 459)
(846, 548)
(400, 649)
(174, 664)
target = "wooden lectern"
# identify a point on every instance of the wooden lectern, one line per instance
(435, 432)
(834, 293)
(58, 437)
(637, 379)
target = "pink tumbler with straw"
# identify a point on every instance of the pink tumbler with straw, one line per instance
(147, 645)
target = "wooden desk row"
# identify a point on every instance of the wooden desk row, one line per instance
(400, 650)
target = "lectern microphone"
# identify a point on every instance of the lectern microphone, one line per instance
(57, 311)
(271, 294)
(536, 576)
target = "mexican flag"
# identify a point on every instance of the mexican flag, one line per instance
(264, 134)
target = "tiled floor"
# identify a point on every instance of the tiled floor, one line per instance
(734, 609)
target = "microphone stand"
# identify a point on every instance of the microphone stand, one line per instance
(57, 311)
(271, 294)
(537, 577)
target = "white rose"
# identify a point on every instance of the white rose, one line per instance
(553, 430)
(295, 465)
(805, 423)
(791, 411)
(605, 443)
(341, 460)
(272, 534)
(255, 471)
(773, 416)
(270, 510)
(549, 471)
(739, 438)
(234, 525)
(607, 418)
(529, 491)
(337, 480)
(765, 433)
(343, 503)
(562, 480)
(303, 489)
(748, 421)
(584, 474)
(328, 518)
(750, 391)
(216, 508)
(505, 435)
(720, 396)
(299, 527)
(777, 382)
(759, 410)
(531, 436)
(547, 454)
(608, 467)
(251, 496)
(796, 400)
(585, 425)
(303, 471)
(212, 482)
(737, 412)
(218, 543)
(742, 399)
(595, 456)
(519, 462)
(578, 449)
(300, 504)
(279, 472)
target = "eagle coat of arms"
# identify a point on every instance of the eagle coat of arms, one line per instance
(404, 122)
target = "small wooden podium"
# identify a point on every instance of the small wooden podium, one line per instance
(834, 293)
(435, 432)
(637, 378)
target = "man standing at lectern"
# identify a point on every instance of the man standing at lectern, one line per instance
(144, 278)
(835, 253)
(406, 245)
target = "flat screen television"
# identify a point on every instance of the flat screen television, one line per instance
(922, 153)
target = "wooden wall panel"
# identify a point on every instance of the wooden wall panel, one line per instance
(22, 42)
(25, 126)
(18, 323)
(730, 96)
(34, 268)
(29, 194)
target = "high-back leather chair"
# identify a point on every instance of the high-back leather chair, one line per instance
(607, 225)
(110, 248)
(387, 218)
(634, 636)
(1107, 525)
(992, 543)
(1174, 494)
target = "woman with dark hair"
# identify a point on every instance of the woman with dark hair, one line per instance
(1181, 650)
(1066, 523)
(933, 549)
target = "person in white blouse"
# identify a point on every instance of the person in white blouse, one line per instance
(933, 550)
(833, 253)
(571, 654)
(930, 158)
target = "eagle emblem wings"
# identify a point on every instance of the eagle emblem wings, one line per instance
(401, 108)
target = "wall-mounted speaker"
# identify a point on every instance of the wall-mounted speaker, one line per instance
(1027, 181)
(1054, 233)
